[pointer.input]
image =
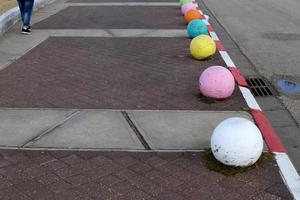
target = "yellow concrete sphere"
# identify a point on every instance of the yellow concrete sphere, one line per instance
(202, 47)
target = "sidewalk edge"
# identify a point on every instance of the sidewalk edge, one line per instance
(10, 17)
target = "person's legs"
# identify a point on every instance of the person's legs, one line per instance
(21, 7)
(28, 5)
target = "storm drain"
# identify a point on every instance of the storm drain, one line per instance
(260, 87)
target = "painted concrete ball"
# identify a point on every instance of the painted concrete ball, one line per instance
(191, 15)
(237, 142)
(188, 6)
(182, 2)
(216, 82)
(202, 47)
(196, 27)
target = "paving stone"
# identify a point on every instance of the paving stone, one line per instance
(140, 167)
(128, 17)
(67, 172)
(97, 191)
(155, 161)
(266, 196)
(12, 193)
(170, 195)
(85, 166)
(47, 179)
(277, 191)
(77, 180)
(54, 165)
(108, 180)
(109, 1)
(170, 179)
(71, 159)
(87, 155)
(61, 153)
(4, 182)
(135, 195)
(83, 79)
(124, 187)
(125, 161)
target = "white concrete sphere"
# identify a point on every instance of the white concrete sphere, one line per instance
(236, 142)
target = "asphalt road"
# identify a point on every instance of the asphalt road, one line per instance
(267, 32)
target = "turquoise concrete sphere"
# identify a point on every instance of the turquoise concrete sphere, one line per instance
(196, 27)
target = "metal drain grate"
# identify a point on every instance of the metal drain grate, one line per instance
(260, 87)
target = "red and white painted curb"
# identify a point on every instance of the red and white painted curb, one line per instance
(287, 170)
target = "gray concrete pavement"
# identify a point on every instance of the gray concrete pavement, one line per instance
(180, 129)
(109, 129)
(266, 34)
(19, 126)
(91, 129)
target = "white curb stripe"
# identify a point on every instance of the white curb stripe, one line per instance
(289, 174)
(214, 36)
(227, 59)
(200, 11)
(251, 102)
(206, 20)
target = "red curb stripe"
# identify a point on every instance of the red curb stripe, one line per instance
(239, 78)
(210, 28)
(220, 46)
(270, 136)
(273, 142)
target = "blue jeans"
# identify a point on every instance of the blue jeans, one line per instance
(26, 11)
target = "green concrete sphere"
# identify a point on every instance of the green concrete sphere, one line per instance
(181, 2)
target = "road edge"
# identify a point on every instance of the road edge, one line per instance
(288, 172)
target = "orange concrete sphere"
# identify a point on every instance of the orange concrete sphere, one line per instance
(191, 15)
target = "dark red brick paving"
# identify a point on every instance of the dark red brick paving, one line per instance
(114, 17)
(153, 176)
(110, 73)
(109, 1)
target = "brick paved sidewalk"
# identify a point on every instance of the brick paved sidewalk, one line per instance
(122, 175)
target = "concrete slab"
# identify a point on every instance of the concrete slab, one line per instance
(89, 129)
(21, 125)
(6, 59)
(16, 44)
(179, 129)
(270, 103)
(280, 118)
(293, 105)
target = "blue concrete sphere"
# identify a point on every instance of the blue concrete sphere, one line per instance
(196, 27)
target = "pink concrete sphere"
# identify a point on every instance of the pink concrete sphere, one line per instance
(216, 82)
(188, 6)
